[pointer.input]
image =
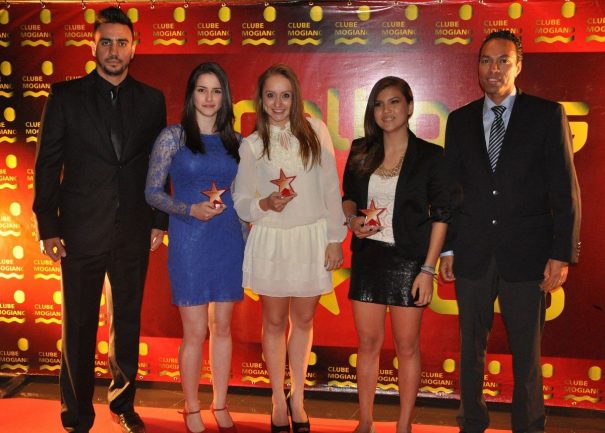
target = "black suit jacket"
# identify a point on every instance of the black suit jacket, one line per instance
(81, 188)
(528, 210)
(422, 196)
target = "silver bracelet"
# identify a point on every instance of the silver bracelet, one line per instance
(428, 268)
(349, 219)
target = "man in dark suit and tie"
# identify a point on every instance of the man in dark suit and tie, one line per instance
(96, 136)
(515, 230)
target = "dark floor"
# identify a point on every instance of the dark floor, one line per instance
(326, 405)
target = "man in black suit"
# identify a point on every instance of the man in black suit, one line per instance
(515, 230)
(96, 136)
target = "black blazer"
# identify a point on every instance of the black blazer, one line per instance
(81, 188)
(422, 196)
(528, 210)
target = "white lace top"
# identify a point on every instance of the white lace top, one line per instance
(382, 191)
(318, 190)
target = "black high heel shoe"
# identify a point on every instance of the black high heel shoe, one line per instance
(297, 427)
(278, 428)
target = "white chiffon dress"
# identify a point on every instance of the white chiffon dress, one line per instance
(285, 251)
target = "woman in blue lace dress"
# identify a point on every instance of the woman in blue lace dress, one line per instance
(206, 247)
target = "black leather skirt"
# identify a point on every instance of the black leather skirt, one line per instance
(380, 275)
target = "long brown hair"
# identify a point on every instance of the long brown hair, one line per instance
(369, 153)
(310, 148)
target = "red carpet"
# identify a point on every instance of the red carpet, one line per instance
(23, 415)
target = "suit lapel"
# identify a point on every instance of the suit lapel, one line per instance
(513, 125)
(90, 103)
(478, 135)
(408, 161)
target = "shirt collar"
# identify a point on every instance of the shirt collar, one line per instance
(507, 102)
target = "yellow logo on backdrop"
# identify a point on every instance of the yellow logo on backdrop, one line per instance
(168, 33)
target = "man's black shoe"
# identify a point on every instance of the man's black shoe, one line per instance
(129, 422)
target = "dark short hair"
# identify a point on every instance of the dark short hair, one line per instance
(113, 15)
(508, 36)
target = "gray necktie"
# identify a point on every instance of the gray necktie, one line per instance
(496, 136)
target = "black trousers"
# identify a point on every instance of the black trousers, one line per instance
(522, 305)
(83, 277)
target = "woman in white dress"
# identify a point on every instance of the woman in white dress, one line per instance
(287, 187)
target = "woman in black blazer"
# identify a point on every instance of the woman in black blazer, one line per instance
(396, 200)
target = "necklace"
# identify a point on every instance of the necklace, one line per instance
(385, 173)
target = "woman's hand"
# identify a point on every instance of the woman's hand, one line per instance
(333, 256)
(275, 202)
(362, 230)
(423, 289)
(205, 211)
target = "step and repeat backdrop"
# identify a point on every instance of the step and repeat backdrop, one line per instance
(339, 50)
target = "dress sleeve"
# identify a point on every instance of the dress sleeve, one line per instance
(244, 193)
(164, 149)
(440, 190)
(337, 231)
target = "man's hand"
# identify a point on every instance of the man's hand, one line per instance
(53, 248)
(555, 274)
(446, 268)
(157, 236)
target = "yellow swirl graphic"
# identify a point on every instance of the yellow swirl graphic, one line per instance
(220, 41)
(30, 186)
(387, 387)
(167, 42)
(172, 374)
(29, 43)
(296, 41)
(6, 94)
(554, 39)
(452, 41)
(7, 185)
(260, 41)
(14, 367)
(251, 294)
(50, 367)
(595, 38)
(492, 392)
(582, 398)
(255, 379)
(35, 94)
(47, 277)
(11, 275)
(399, 41)
(5, 44)
(8, 139)
(12, 319)
(142, 372)
(9, 233)
(310, 382)
(548, 396)
(438, 390)
(47, 321)
(206, 376)
(102, 322)
(343, 384)
(101, 370)
(30, 139)
(351, 41)
(79, 43)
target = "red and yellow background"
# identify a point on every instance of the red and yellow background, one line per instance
(339, 50)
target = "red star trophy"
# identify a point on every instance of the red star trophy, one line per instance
(214, 195)
(284, 184)
(372, 219)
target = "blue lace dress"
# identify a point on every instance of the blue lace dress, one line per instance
(204, 258)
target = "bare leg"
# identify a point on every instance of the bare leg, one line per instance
(369, 323)
(195, 325)
(405, 324)
(275, 323)
(220, 357)
(300, 340)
